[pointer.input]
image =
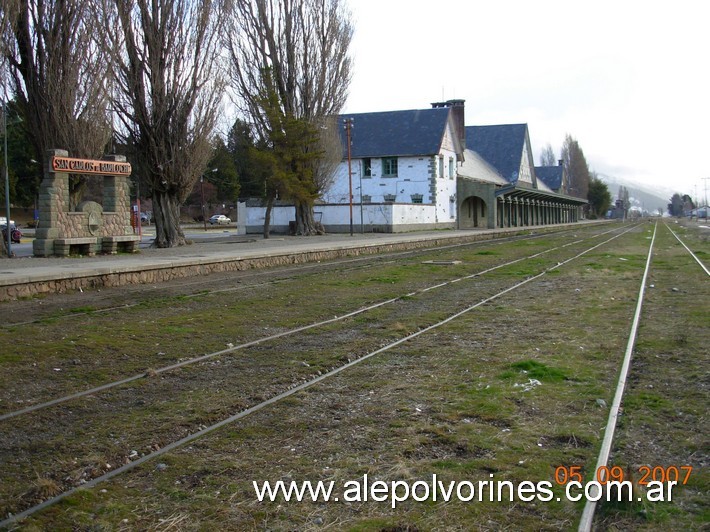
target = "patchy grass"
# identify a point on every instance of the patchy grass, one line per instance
(533, 370)
(446, 403)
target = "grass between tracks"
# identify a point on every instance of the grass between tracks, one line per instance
(508, 390)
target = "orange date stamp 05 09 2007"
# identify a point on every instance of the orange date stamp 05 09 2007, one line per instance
(642, 475)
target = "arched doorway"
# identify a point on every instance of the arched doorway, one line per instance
(474, 213)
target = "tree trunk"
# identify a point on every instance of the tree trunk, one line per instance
(77, 188)
(306, 224)
(3, 246)
(267, 216)
(166, 209)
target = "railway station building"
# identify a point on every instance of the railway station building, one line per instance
(423, 169)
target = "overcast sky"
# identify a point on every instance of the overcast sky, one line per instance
(630, 80)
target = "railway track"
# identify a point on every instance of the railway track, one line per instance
(603, 460)
(210, 295)
(131, 296)
(269, 338)
(350, 337)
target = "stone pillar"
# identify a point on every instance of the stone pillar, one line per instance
(527, 211)
(538, 212)
(116, 198)
(53, 202)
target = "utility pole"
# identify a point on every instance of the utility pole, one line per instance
(348, 127)
(202, 194)
(706, 196)
(202, 205)
(7, 177)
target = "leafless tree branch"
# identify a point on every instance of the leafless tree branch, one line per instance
(299, 50)
(169, 88)
(58, 74)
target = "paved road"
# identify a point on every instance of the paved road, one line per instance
(193, 232)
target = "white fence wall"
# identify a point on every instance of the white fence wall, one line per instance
(378, 217)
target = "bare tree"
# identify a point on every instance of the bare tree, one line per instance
(576, 167)
(330, 149)
(547, 156)
(59, 77)
(8, 13)
(168, 93)
(297, 51)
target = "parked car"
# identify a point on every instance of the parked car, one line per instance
(15, 234)
(146, 217)
(219, 219)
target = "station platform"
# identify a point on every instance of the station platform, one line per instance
(216, 251)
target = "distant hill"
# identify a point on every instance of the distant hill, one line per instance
(646, 197)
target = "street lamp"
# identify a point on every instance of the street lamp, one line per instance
(348, 122)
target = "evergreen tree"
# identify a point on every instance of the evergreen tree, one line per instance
(24, 170)
(241, 146)
(223, 172)
(599, 197)
(675, 207)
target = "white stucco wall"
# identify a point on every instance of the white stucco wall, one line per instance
(419, 175)
(280, 216)
(412, 178)
(525, 173)
(446, 186)
(336, 217)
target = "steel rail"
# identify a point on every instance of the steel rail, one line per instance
(585, 524)
(302, 268)
(688, 250)
(291, 391)
(194, 360)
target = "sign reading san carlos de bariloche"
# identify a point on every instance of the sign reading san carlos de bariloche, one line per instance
(89, 166)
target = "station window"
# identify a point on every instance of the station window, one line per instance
(367, 167)
(389, 167)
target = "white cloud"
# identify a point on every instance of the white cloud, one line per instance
(628, 79)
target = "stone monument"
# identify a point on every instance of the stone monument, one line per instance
(92, 227)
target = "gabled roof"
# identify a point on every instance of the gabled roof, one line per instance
(550, 175)
(475, 167)
(396, 133)
(541, 185)
(501, 146)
